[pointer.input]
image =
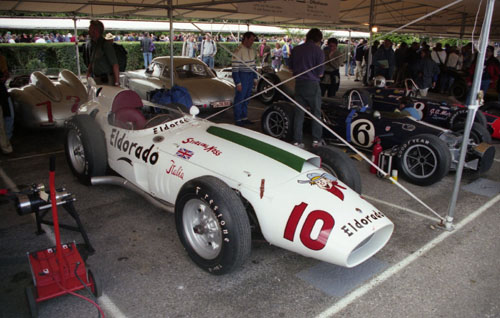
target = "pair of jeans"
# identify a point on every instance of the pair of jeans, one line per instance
(241, 108)
(209, 60)
(307, 94)
(148, 56)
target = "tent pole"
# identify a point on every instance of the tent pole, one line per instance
(170, 17)
(472, 105)
(76, 48)
(348, 65)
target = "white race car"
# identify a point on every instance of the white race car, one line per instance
(225, 180)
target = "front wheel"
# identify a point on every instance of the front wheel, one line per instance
(338, 164)
(423, 159)
(85, 148)
(213, 225)
(277, 121)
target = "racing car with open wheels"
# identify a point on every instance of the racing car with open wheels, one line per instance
(225, 181)
(440, 113)
(424, 153)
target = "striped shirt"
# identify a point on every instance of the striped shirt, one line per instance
(246, 55)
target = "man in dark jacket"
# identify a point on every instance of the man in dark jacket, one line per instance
(307, 89)
(103, 64)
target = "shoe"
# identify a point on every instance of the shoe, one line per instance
(247, 122)
(356, 80)
(239, 123)
(317, 143)
(299, 144)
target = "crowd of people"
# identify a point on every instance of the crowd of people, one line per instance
(430, 68)
(434, 67)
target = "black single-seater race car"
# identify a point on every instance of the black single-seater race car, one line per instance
(423, 153)
(440, 113)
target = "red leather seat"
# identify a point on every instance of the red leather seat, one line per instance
(126, 109)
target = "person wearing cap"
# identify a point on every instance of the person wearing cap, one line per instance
(109, 37)
(103, 64)
(244, 73)
(326, 182)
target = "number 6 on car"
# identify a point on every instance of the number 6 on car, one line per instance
(226, 181)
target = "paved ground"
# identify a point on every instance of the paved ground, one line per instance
(422, 272)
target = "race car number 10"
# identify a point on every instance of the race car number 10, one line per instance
(307, 228)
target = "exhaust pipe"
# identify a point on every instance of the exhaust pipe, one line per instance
(119, 181)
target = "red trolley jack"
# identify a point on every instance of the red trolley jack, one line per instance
(58, 270)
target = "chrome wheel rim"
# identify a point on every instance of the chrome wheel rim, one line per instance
(76, 151)
(202, 229)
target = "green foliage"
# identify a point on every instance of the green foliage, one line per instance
(29, 57)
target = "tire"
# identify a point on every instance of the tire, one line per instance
(85, 148)
(277, 121)
(31, 299)
(459, 89)
(491, 106)
(478, 133)
(272, 94)
(96, 287)
(458, 119)
(338, 164)
(423, 159)
(213, 225)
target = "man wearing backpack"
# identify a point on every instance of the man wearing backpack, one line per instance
(103, 64)
(147, 48)
(208, 50)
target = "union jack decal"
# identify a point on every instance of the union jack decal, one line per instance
(184, 153)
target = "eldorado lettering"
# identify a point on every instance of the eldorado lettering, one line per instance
(120, 142)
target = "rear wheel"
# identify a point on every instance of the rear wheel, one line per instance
(277, 121)
(85, 148)
(213, 225)
(338, 164)
(423, 159)
(459, 89)
(478, 133)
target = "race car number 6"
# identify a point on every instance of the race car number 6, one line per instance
(307, 228)
(363, 132)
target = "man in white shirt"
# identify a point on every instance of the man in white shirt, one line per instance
(208, 50)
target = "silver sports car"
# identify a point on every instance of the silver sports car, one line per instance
(207, 91)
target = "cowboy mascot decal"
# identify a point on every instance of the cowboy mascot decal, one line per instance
(326, 182)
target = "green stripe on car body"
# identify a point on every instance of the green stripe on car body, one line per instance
(283, 156)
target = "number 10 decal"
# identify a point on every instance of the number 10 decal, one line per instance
(305, 233)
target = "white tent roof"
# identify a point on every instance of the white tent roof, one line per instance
(326, 14)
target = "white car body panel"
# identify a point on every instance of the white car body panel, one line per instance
(292, 212)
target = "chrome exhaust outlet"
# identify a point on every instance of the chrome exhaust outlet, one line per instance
(119, 181)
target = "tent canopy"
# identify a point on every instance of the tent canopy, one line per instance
(454, 21)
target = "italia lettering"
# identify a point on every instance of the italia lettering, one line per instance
(175, 171)
(120, 142)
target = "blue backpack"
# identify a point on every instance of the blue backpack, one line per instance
(177, 94)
